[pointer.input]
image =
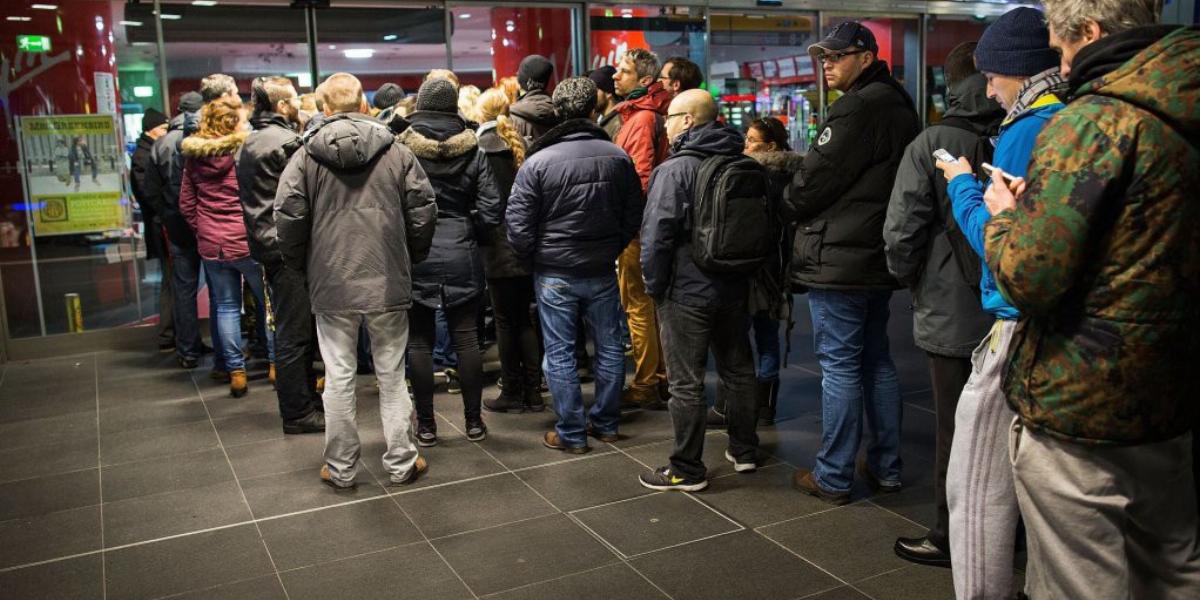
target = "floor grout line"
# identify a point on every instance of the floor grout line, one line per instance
(921, 408)
(100, 485)
(815, 565)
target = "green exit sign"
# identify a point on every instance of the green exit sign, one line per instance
(33, 43)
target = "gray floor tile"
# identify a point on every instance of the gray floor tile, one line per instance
(159, 475)
(642, 427)
(250, 428)
(63, 533)
(413, 571)
(842, 593)
(715, 445)
(172, 513)
(472, 505)
(186, 563)
(604, 583)
(291, 453)
(76, 427)
(654, 522)
(53, 493)
(914, 582)
(335, 533)
(75, 369)
(73, 579)
(257, 402)
(589, 481)
(853, 542)
(453, 459)
(757, 567)
(152, 414)
(57, 400)
(260, 588)
(765, 496)
(913, 503)
(514, 555)
(285, 493)
(48, 459)
(134, 391)
(132, 446)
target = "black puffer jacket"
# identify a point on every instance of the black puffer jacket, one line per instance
(576, 202)
(533, 115)
(667, 265)
(165, 176)
(499, 258)
(841, 193)
(149, 198)
(264, 156)
(467, 206)
(353, 212)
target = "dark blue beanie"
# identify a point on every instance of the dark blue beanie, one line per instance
(1017, 44)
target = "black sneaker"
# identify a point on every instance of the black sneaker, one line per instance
(661, 479)
(165, 347)
(476, 431)
(313, 422)
(188, 362)
(452, 384)
(509, 401)
(739, 465)
(426, 436)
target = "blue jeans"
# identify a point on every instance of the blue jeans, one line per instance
(858, 378)
(185, 280)
(225, 281)
(766, 346)
(560, 301)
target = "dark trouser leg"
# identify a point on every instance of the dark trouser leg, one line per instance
(294, 348)
(166, 295)
(463, 326)
(686, 333)
(520, 355)
(730, 347)
(185, 279)
(421, 332)
(948, 376)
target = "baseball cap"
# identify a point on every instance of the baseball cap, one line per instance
(847, 35)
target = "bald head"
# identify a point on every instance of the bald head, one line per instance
(342, 93)
(689, 109)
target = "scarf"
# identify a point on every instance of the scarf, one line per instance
(1049, 81)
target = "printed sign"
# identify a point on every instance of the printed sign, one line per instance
(106, 93)
(33, 43)
(72, 167)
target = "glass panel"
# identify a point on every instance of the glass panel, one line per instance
(760, 67)
(942, 35)
(489, 43)
(899, 45)
(381, 45)
(666, 31)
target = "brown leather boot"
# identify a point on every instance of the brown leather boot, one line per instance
(237, 383)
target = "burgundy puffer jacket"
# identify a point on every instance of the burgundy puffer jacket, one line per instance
(208, 196)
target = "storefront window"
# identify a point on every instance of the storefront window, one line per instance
(489, 43)
(667, 31)
(761, 68)
(382, 44)
(942, 35)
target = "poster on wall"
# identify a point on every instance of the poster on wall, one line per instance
(106, 93)
(72, 169)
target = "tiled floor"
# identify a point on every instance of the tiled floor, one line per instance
(122, 476)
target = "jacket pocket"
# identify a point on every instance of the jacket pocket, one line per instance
(809, 241)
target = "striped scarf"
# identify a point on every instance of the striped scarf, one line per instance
(1049, 81)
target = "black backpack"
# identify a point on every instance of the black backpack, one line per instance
(964, 254)
(731, 218)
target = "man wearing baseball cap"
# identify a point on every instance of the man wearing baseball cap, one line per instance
(839, 199)
(606, 101)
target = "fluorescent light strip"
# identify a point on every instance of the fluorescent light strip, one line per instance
(21, 19)
(44, 6)
(359, 53)
(204, 3)
(131, 23)
(390, 37)
(170, 17)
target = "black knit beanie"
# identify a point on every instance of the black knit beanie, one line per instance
(534, 73)
(438, 95)
(1017, 45)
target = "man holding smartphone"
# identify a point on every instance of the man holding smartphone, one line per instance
(1023, 76)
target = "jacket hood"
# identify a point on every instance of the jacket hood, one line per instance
(1161, 74)
(781, 162)
(348, 141)
(176, 122)
(264, 119)
(711, 138)
(878, 72)
(569, 129)
(195, 146)
(656, 99)
(968, 99)
(430, 148)
(489, 139)
(535, 107)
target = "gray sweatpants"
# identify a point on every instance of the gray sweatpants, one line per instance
(338, 337)
(1107, 521)
(979, 485)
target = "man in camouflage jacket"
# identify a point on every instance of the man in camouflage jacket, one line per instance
(1101, 255)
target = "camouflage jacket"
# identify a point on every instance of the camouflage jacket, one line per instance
(1102, 253)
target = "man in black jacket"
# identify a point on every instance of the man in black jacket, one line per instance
(576, 203)
(154, 126)
(926, 252)
(839, 198)
(533, 113)
(354, 211)
(264, 156)
(697, 310)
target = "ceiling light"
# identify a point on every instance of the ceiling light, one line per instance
(303, 78)
(359, 53)
(19, 19)
(204, 3)
(44, 6)
(390, 37)
(170, 17)
(464, 16)
(142, 91)
(131, 23)
(333, 47)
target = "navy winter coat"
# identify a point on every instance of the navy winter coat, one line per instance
(576, 203)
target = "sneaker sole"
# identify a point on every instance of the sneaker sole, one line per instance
(740, 467)
(426, 444)
(694, 487)
(480, 438)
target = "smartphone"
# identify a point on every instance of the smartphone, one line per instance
(944, 156)
(989, 169)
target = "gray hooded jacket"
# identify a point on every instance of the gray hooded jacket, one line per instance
(354, 211)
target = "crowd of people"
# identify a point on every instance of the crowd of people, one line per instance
(1044, 228)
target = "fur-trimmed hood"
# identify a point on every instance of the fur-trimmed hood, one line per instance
(780, 162)
(452, 147)
(195, 146)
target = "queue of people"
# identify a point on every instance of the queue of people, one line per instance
(1042, 227)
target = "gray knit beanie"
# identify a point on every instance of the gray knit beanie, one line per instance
(575, 98)
(438, 95)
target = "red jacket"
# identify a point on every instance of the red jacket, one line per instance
(643, 130)
(208, 196)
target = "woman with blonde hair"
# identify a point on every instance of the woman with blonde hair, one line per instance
(511, 88)
(468, 95)
(510, 281)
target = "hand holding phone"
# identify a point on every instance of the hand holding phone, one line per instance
(944, 156)
(951, 167)
(990, 170)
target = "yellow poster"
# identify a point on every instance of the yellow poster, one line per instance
(73, 169)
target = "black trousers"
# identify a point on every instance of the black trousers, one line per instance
(516, 335)
(463, 324)
(949, 375)
(295, 343)
(688, 334)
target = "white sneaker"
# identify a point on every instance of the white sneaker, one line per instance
(741, 467)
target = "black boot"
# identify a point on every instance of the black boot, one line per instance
(768, 399)
(511, 398)
(533, 399)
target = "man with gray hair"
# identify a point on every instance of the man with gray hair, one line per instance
(1100, 253)
(575, 205)
(217, 85)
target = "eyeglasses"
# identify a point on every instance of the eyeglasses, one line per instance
(837, 56)
(673, 115)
